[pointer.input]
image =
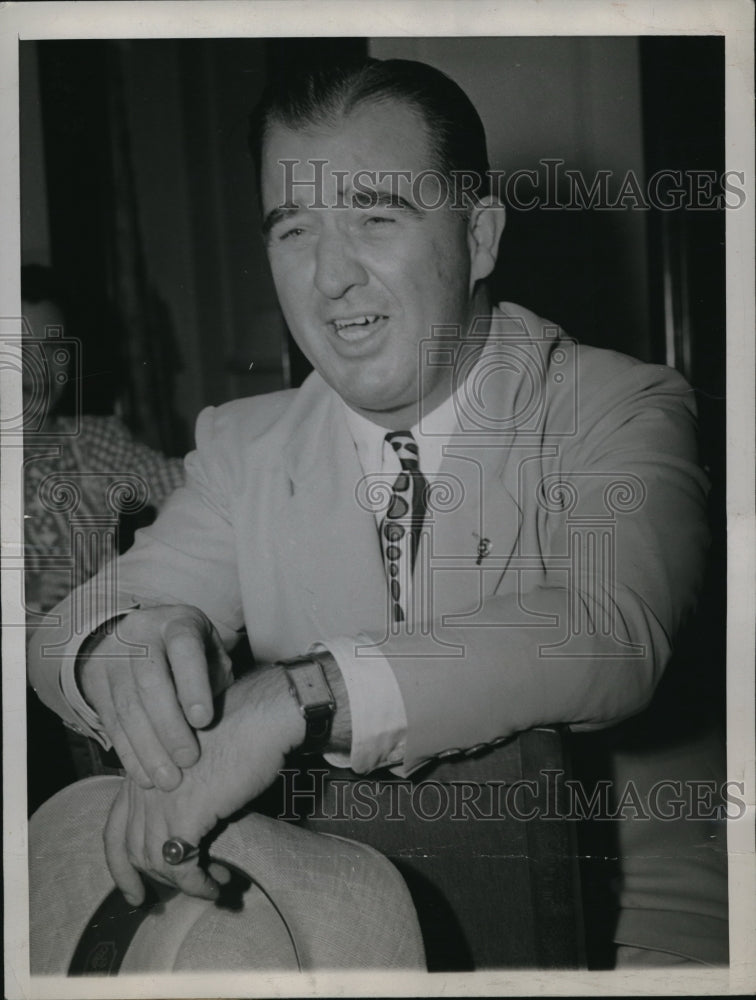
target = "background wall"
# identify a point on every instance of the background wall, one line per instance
(136, 173)
(579, 100)
(188, 104)
(34, 220)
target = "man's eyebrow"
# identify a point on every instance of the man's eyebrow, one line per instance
(385, 199)
(363, 200)
(276, 215)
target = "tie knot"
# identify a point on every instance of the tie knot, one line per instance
(406, 449)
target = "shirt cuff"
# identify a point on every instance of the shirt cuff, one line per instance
(379, 719)
(90, 724)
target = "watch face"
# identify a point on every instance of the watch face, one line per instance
(308, 684)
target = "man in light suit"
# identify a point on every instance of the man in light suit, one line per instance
(481, 622)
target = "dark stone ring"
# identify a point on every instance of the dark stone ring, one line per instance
(176, 851)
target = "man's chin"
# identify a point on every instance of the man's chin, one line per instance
(396, 416)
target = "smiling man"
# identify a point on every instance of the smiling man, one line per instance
(393, 535)
(362, 286)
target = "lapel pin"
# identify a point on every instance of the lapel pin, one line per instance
(483, 549)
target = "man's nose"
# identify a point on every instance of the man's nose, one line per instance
(337, 268)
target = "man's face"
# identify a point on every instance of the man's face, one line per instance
(361, 287)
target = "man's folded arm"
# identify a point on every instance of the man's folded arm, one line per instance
(187, 557)
(510, 677)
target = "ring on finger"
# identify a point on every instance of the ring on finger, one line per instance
(176, 851)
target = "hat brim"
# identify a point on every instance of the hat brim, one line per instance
(314, 901)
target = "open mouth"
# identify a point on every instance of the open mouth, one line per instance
(356, 327)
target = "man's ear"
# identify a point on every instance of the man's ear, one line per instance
(484, 229)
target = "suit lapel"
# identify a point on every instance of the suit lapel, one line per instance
(487, 460)
(473, 541)
(337, 567)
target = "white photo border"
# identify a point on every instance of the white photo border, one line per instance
(291, 18)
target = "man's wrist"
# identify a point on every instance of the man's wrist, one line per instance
(86, 649)
(330, 691)
(276, 682)
(341, 728)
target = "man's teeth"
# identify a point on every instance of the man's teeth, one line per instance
(343, 324)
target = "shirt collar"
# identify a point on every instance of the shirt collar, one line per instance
(369, 437)
(437, 427)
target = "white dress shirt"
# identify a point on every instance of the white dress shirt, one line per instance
(379, 721)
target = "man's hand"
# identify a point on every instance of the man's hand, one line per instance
(240, 757)
(150, 705)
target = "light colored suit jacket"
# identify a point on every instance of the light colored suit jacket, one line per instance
(578, 466)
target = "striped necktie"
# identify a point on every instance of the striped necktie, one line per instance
(401, 525)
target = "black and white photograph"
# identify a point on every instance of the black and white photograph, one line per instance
(377, 499)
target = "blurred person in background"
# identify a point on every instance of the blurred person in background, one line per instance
(67, 454)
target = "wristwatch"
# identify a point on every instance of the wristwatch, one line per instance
(309, 685)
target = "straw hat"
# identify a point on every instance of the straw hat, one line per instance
(303, 901)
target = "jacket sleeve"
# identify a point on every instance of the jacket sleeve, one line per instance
(616, 609)
(188, 556)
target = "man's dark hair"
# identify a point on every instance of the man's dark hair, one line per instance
(324, 94)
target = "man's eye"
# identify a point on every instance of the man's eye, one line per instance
(294, 231)
(373, 219)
